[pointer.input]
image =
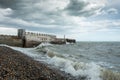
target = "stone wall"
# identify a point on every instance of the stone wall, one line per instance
(10, 40)
(16, 41)
(39, 37)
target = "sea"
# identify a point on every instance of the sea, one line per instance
(93, 60)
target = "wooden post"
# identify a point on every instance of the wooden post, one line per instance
(24, 41)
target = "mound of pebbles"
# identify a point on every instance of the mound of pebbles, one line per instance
(15, 65)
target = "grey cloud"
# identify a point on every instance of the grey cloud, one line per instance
(56, 30)
(77, 8)
(114, 4)
(29, 11)
(19, 23)
(112, 11)
(26, 10)
(9, 4)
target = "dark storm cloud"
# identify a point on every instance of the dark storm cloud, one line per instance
(25, 13)
(79, 8)
(51, 16)
(40, 11)
(29, 10)
(9, 3)
(15, 5)
(75, 7)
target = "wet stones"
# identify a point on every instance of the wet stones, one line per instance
(15, 65)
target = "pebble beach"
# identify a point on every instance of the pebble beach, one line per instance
(15, 65)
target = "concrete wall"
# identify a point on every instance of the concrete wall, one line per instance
(30, 39)
(39, 37)
(35, 36)
(16, 41)
(10, 40)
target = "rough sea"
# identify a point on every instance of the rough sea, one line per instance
(94, 60)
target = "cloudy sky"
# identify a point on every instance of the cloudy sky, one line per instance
(84, 20)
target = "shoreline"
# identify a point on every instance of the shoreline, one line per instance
(16, 65)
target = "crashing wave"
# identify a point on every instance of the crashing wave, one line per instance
(89, 71)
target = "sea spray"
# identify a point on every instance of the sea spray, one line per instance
(65, 58)
(89, 70)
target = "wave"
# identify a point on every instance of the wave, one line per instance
(49, 53)
(90, 71)
(77, 68)
(70, 66)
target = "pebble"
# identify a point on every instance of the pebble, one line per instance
(15, 65)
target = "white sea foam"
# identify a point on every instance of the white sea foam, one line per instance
(90, 70)
(44, 45)
(105, 64)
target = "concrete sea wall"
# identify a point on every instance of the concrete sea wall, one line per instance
(15, 41)
(10, 40)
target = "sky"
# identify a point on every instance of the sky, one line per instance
(83, 20)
